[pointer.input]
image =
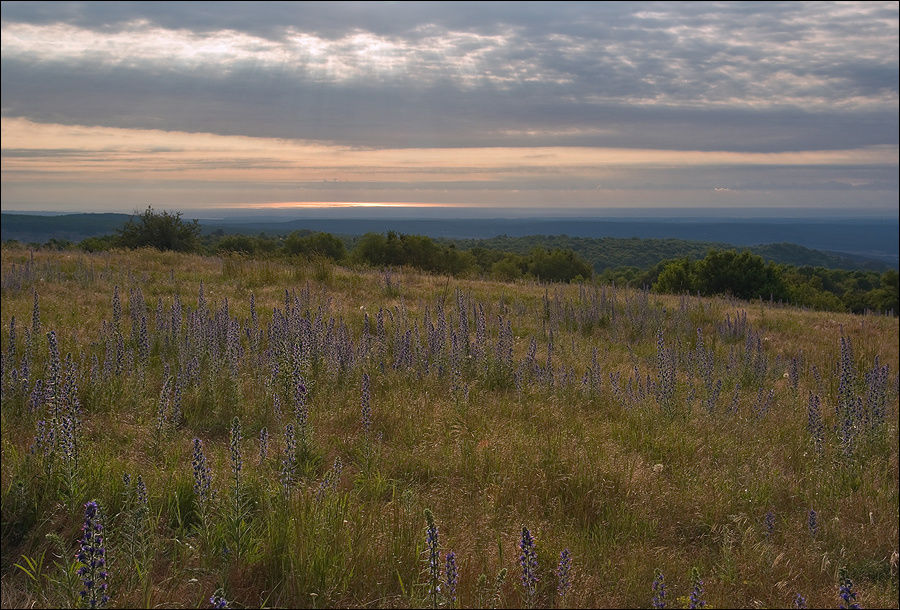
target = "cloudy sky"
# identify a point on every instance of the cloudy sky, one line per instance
(113, 106)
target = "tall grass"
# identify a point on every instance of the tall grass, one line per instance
(636, 432)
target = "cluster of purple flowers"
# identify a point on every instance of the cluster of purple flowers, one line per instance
(92, 559)
(330, 480)
(769, 522)
(659, 591)
(665, 371)
(452, 577)
(202, 476)
(696, 598)
(162, 410)
(218, 601)
(263, 444)
(876, 394)
(762, 405)
(289, 461)
(237, 462)
(564, 573)
(814, 422)
(845, 592)
(528, 561)
(366, 407)
(432, 557)
(301, 408)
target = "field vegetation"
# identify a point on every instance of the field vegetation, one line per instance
(181, 430)
(786, 273)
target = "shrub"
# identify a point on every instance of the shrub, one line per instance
(316, 244)
(160, 230)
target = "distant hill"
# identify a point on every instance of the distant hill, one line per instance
(866, 238)
(29, 228)
(611, 252)
(634, 243)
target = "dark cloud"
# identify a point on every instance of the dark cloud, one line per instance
(754, 77)
(329, 19)
(255, 103)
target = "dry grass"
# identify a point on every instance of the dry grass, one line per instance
(625, 487)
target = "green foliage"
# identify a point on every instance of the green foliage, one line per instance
(679, 277)
(633, 262)
(242, 244)
(98, 244)
(316, 244)
(725, 272)
(747, 276)
(557, 265)
(396, 249)
(744, 275)
(509, 268)
(161, 230)
(605, 253)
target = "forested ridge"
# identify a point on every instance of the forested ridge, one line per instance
(778, 272)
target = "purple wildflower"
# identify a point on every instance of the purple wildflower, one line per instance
(331, 479)
(845, 591)
(528, 561)
(564, 573)
(659, 591)
(769, 522)
(263, 444)
(799, 602)
(237, 461)
(433, 559)
(117, 308)
(812, 521)
(366, 408)
(35, 315)
(696, 597)
(289, 462)
(202, 477)
(452, 577)
(141, 492)
(92, 559)
(218, 601)
(814, 422)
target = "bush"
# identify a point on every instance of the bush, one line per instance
(243, 244)
(160, 230)
(98, 244)
(316, 244)
(557, 266)
(419, 251)
(510, 267)
(678, 277)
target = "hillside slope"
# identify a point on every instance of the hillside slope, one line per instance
(290, 424)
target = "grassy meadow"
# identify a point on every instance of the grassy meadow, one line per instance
(641, 433)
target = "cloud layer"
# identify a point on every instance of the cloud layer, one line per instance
(738, 78)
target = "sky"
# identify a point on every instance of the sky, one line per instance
(114, 106)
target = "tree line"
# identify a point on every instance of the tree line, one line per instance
(722, 271)
(169, 231)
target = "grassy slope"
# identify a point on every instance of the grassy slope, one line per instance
(625, 487)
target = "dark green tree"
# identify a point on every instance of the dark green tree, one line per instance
(243, 244)
(315, 244)
(161, 230)
(557, 265)
(744, 275)
(678, 277)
